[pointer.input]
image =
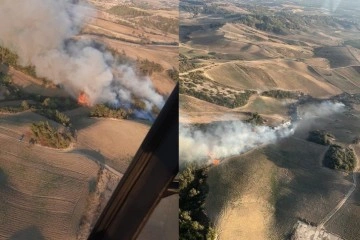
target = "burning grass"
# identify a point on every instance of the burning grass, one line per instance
(83, 99)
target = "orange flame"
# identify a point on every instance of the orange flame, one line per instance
(215, 162)
(83, 99)
(213, 159)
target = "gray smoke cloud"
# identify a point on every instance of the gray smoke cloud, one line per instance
(224, 139)
(331, 5)
(323, 109)
(42, 33)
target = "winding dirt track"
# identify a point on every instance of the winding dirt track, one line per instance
(337, 208)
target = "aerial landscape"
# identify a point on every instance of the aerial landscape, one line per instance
(269, 119)
(81, 82)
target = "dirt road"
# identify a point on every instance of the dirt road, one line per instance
(337, 208)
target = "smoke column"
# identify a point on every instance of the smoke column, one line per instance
(331, 5)
(41, 32)
(224, 139)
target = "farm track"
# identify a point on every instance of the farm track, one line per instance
(337, 207)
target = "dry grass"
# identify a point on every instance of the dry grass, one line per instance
(44, 187)
(110, 141)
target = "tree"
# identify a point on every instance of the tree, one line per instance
(25, 105)
(194, 224)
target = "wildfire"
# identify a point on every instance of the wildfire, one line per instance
(83, 99)
(215, 162)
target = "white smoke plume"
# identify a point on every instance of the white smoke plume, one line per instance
(323, 109)
(224, 139)
(42, 33)
(331, 5)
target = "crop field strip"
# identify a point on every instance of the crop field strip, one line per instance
(52, 190)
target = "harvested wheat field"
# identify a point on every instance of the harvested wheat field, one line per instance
(41, 188)
(110, 141)
(270, 74)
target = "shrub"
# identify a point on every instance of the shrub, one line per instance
(148, 67)
(173, 74)
(25, 105)
(103, 111)
(340, 158)
(281, 94)
(48, 136)
(320, 137)
(193, 221)
(123, 10)
(256, 119)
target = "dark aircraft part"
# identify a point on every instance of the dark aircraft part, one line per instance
(149, 177)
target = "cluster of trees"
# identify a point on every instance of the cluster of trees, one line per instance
(10, 58)
(340, 158)
(147, 67)
(5, 79)
(164, 24)
(255, 119)
(281, 94)
(284, 22)
(138, 103)
(103, 111)
(126, 11)
(173, 74)
(56, 115)
(46, 135)
(278, 24)
(12, 91)
(194, 224)
(185, 64)
(220, 99)
(3, 178)
(49, 107)
(320, 137)
(24, 106)
(353, 43)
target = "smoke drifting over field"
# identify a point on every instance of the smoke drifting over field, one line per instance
(41, 33)
(331, 5)
(224, 139)
(324, 109)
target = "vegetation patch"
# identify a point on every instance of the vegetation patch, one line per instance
(126, 11)
(255, 119)
(10, 58)
(148, 67)
(340, 158)
(164, 24)
(185, 64)
(353, 43)
(281, 94)
(56, 116)
(3, 178)
(215, 96)
(103, 111)
(46, 135)
(194, 224)
(321, 137)
(173, 74)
